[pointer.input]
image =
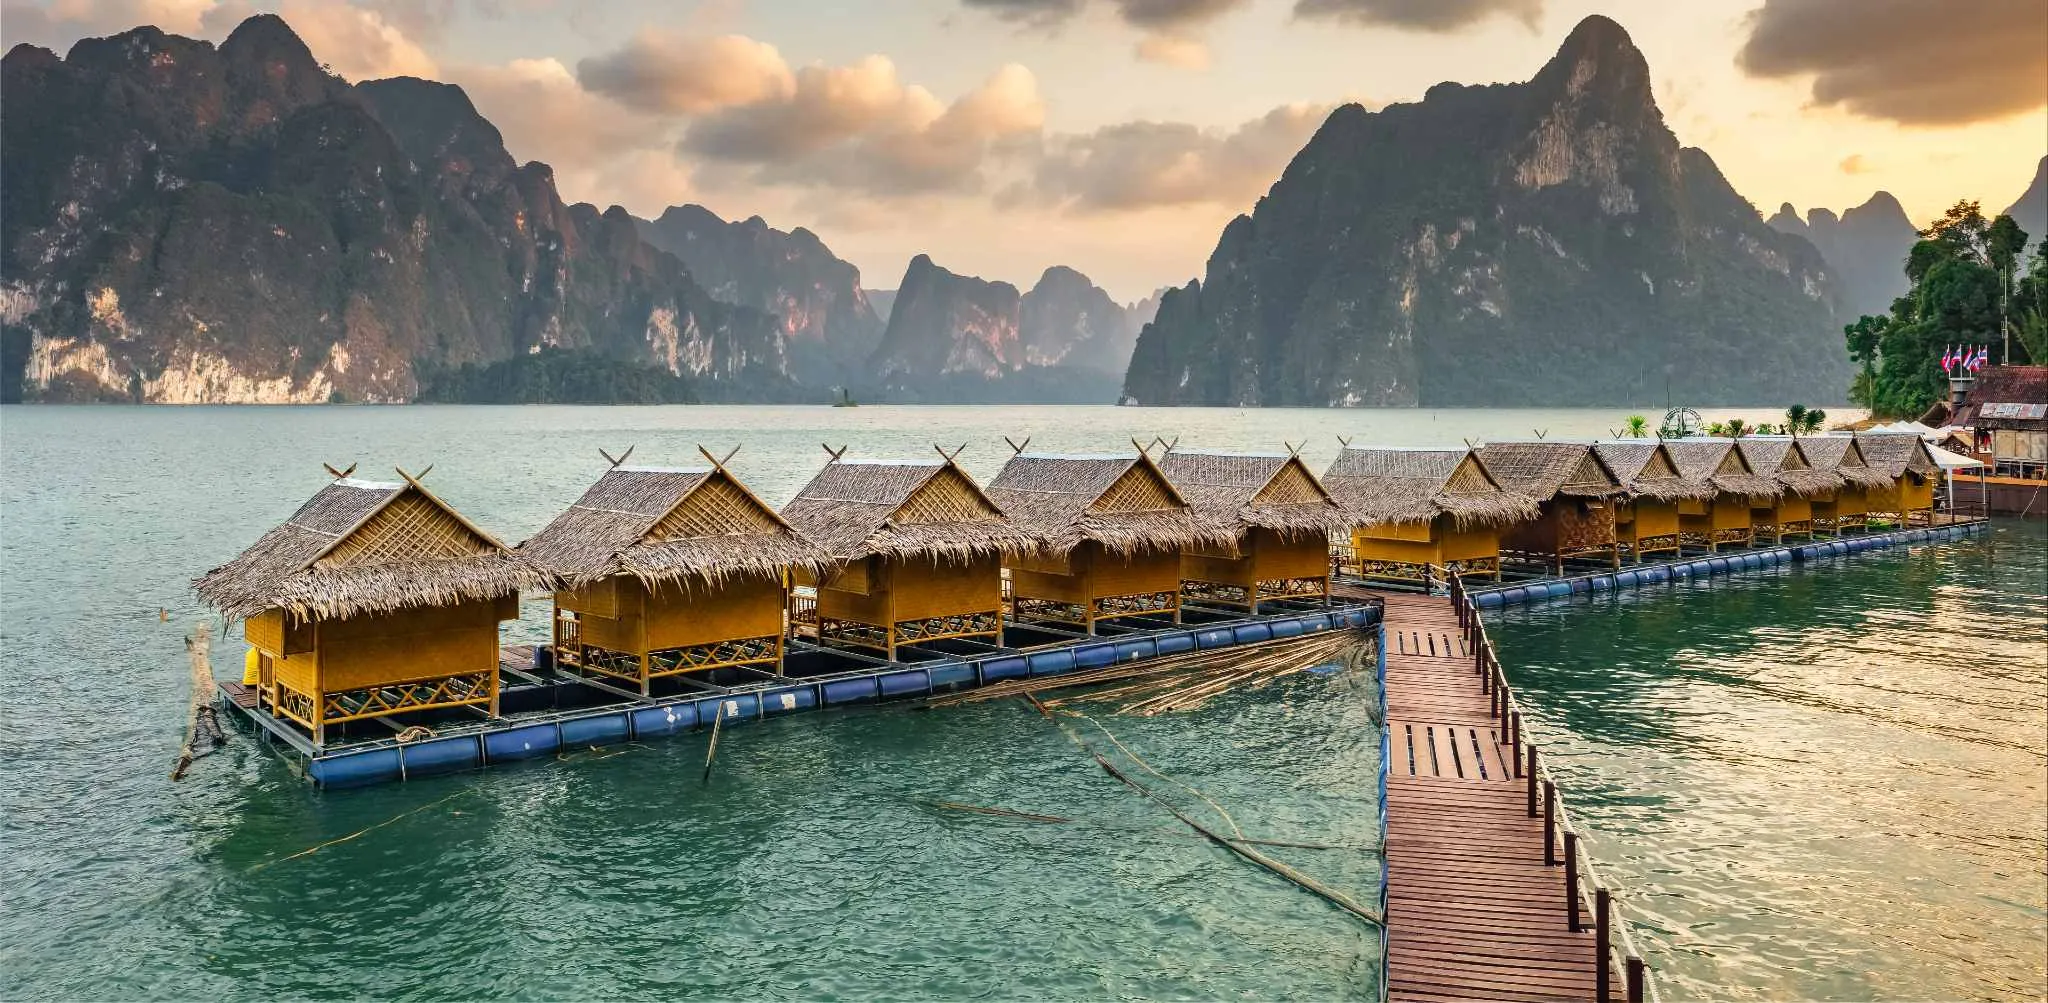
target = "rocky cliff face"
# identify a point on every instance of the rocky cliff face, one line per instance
(1865, 248)
(185, 223)
(1543, 243)
(826, 321)
(947, 332)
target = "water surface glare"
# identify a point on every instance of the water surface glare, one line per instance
(1824, 784)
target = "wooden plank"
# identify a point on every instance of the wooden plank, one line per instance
(1473, 912)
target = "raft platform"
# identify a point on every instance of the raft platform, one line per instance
(1692, 568)
(546, 710)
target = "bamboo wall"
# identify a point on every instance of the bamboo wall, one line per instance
(408, 645)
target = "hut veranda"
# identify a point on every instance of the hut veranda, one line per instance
(1646, 519)
(1575, 493)
(1412, 509)
(916, 549)
(1781, 458)
(1723, 519)
(662, 571)
(375, 598)
(1105, 536)
(1906, 497)
(1843, 509)
(1280, 519)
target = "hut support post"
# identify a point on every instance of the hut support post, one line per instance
(646, 674)
(494, 692)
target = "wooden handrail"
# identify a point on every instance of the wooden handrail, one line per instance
(1556, 815)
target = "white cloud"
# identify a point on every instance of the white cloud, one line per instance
(1135, 165)
(663, 71)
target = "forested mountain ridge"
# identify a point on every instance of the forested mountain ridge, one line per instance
(1542, 243)
(186, 223)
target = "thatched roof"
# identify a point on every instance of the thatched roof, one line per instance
(1896, 455)
(1413, 486)
(1122, 502)
(902, 509)
(1547, 470)
(1840, 454)
(1716, 461)
(669, 524)
(2009, 397)
(1780, 458)
(1647, 469)
(360, 547)
(1242, 491)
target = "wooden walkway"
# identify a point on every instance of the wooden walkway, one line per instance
(1473, 910)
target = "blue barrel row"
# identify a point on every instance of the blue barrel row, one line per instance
(612, 725)
(1709, 566)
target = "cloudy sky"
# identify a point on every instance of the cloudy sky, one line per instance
(1118, 136)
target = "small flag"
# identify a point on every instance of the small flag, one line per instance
(1948, 358)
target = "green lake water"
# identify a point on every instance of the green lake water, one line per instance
(1816, 783)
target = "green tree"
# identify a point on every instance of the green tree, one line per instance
(1638, 426)
(1737, 428)
(1795, 419)
(1961, 273)
(1814, 422)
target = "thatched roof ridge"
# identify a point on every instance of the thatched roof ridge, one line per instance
(301, 566)
(1545, 470)
(1224, 488)
(1838, 453)
(1053, 498)
(1897, 454)
(1774, 456)
(1700, 457)
(855, 508)
(1630, 461)
(1396, 485)
(622, 525)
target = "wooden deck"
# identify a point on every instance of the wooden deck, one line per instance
(1473, 912)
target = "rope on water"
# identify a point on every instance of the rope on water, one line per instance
(315, 848)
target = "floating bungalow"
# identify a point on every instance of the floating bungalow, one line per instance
(663, 571)
(1106, 536)
(1842, 509)
(1781, 458)
(916, 553)
(1575, 492)
(1724, 519)
(1646, 518)
(1412, 509)
(375, 598)
(1279, 516)
(1907, 496)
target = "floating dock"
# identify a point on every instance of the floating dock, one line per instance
(546, 709)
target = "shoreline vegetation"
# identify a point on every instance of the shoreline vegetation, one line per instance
(1973, 285)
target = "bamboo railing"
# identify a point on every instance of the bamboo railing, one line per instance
(1586, 891)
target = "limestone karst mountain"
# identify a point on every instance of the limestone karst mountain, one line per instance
(1539, 243)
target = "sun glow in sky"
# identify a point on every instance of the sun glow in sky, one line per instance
(1118, 136)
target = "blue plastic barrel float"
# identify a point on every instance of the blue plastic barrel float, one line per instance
(356, 769)
(855, 690)
(1175, 643)
(597, 729)
(530, 742)
(1214, 637)
(905, 682)
(1053, 662)
(794, 699)
(1133, 649)
(441, 755)
(1004, 667)
(950, 675)
(1489, 600)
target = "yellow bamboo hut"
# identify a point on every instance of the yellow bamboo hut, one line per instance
(374, 599)
(665, 571)
(1280, 519)
(1646, 519)
(1841, 510)
(1783, 459)
(1106, 534)
(916, 549)
(1575, 492)
(1724, 519)
(1908, 497)
(1414, 509)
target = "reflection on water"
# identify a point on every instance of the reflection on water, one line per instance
(1815, 784)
